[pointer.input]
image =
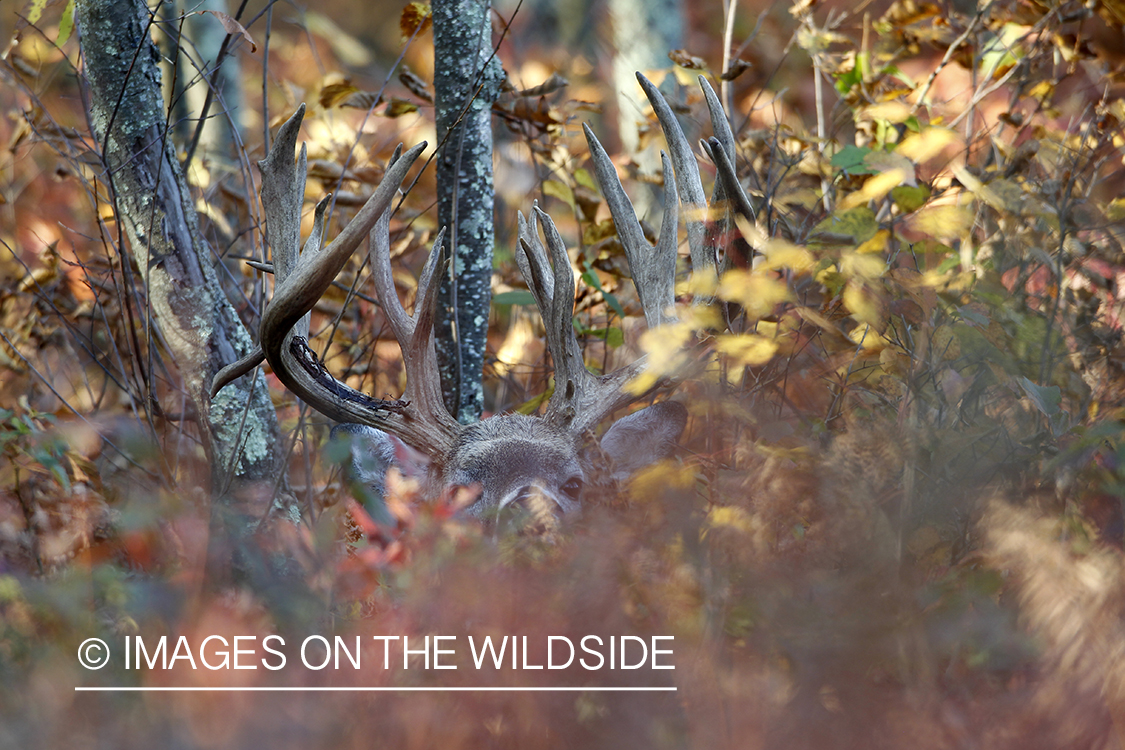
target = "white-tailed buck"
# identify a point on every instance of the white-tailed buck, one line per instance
(513, 459)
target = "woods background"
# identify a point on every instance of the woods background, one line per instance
(895, 519)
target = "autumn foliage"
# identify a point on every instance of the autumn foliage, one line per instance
(895, 519)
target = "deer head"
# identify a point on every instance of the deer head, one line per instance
(513, 459)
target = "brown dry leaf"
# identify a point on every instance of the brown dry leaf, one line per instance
(398, 107)
(532, 111)
(333, 94)
(233, 27)
(362, 100)
(685, 59)
(415, 85)
(415, 19)
(550, 86)
(735, 69)
(329, 171)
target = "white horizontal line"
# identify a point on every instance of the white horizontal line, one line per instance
(113, 689)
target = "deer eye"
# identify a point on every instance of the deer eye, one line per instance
(573, 488)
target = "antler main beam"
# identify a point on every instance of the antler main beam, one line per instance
(301, 279)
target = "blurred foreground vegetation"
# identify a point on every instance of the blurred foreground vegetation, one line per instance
(895, 520)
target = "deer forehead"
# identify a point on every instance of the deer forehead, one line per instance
(513, 446)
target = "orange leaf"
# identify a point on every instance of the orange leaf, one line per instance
(416, 18)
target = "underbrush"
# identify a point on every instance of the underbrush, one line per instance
(894, 519)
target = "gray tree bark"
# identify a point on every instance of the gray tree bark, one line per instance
(467, 82)
(239, 428)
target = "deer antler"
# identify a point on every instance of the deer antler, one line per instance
(582, 399)
(421, 420)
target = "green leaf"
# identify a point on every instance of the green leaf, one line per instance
(532, 405)
(1045, 397)
(850, 159)
(560, 191)
(847, 81)
(591, 279)
(910, 199)
(612, 300)
(66, 23)
(514, 297)
(612, 336)
(582, 177)
(859, 223)
(863, 64)
(35, 12)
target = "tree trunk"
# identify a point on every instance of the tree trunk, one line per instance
(239, 428)
(466, 83)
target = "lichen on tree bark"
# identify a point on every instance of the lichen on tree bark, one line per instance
(158, 219)
(467, 79)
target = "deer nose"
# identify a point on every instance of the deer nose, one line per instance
(540, 510)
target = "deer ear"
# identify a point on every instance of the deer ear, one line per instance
(366, 454)
(644, 436)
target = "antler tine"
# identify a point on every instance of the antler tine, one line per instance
(423, 381)
(732, 188)
(653, 269)
(415, 334)
(687, 173)
(283, 190)
(581, 399)
(283, 187)
(301, 282)
(719, 124)
(723, 157)
(532, 260)
(572, 379)
(379, 256)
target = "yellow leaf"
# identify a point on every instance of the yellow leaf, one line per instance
(35, 12)
(782, 254)
(334, 93)
(870, 339)
(758, 291)
(656, 479)
(865, 266)
(876, 244)
(863, 304)
(748, 349)
(665, 347)
(883, 161)
(942, 222)
(921, 147)
(398, 107)
(730, 517)
(703, 282)
(890, 111)
(875, 187)
(1115, 211)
